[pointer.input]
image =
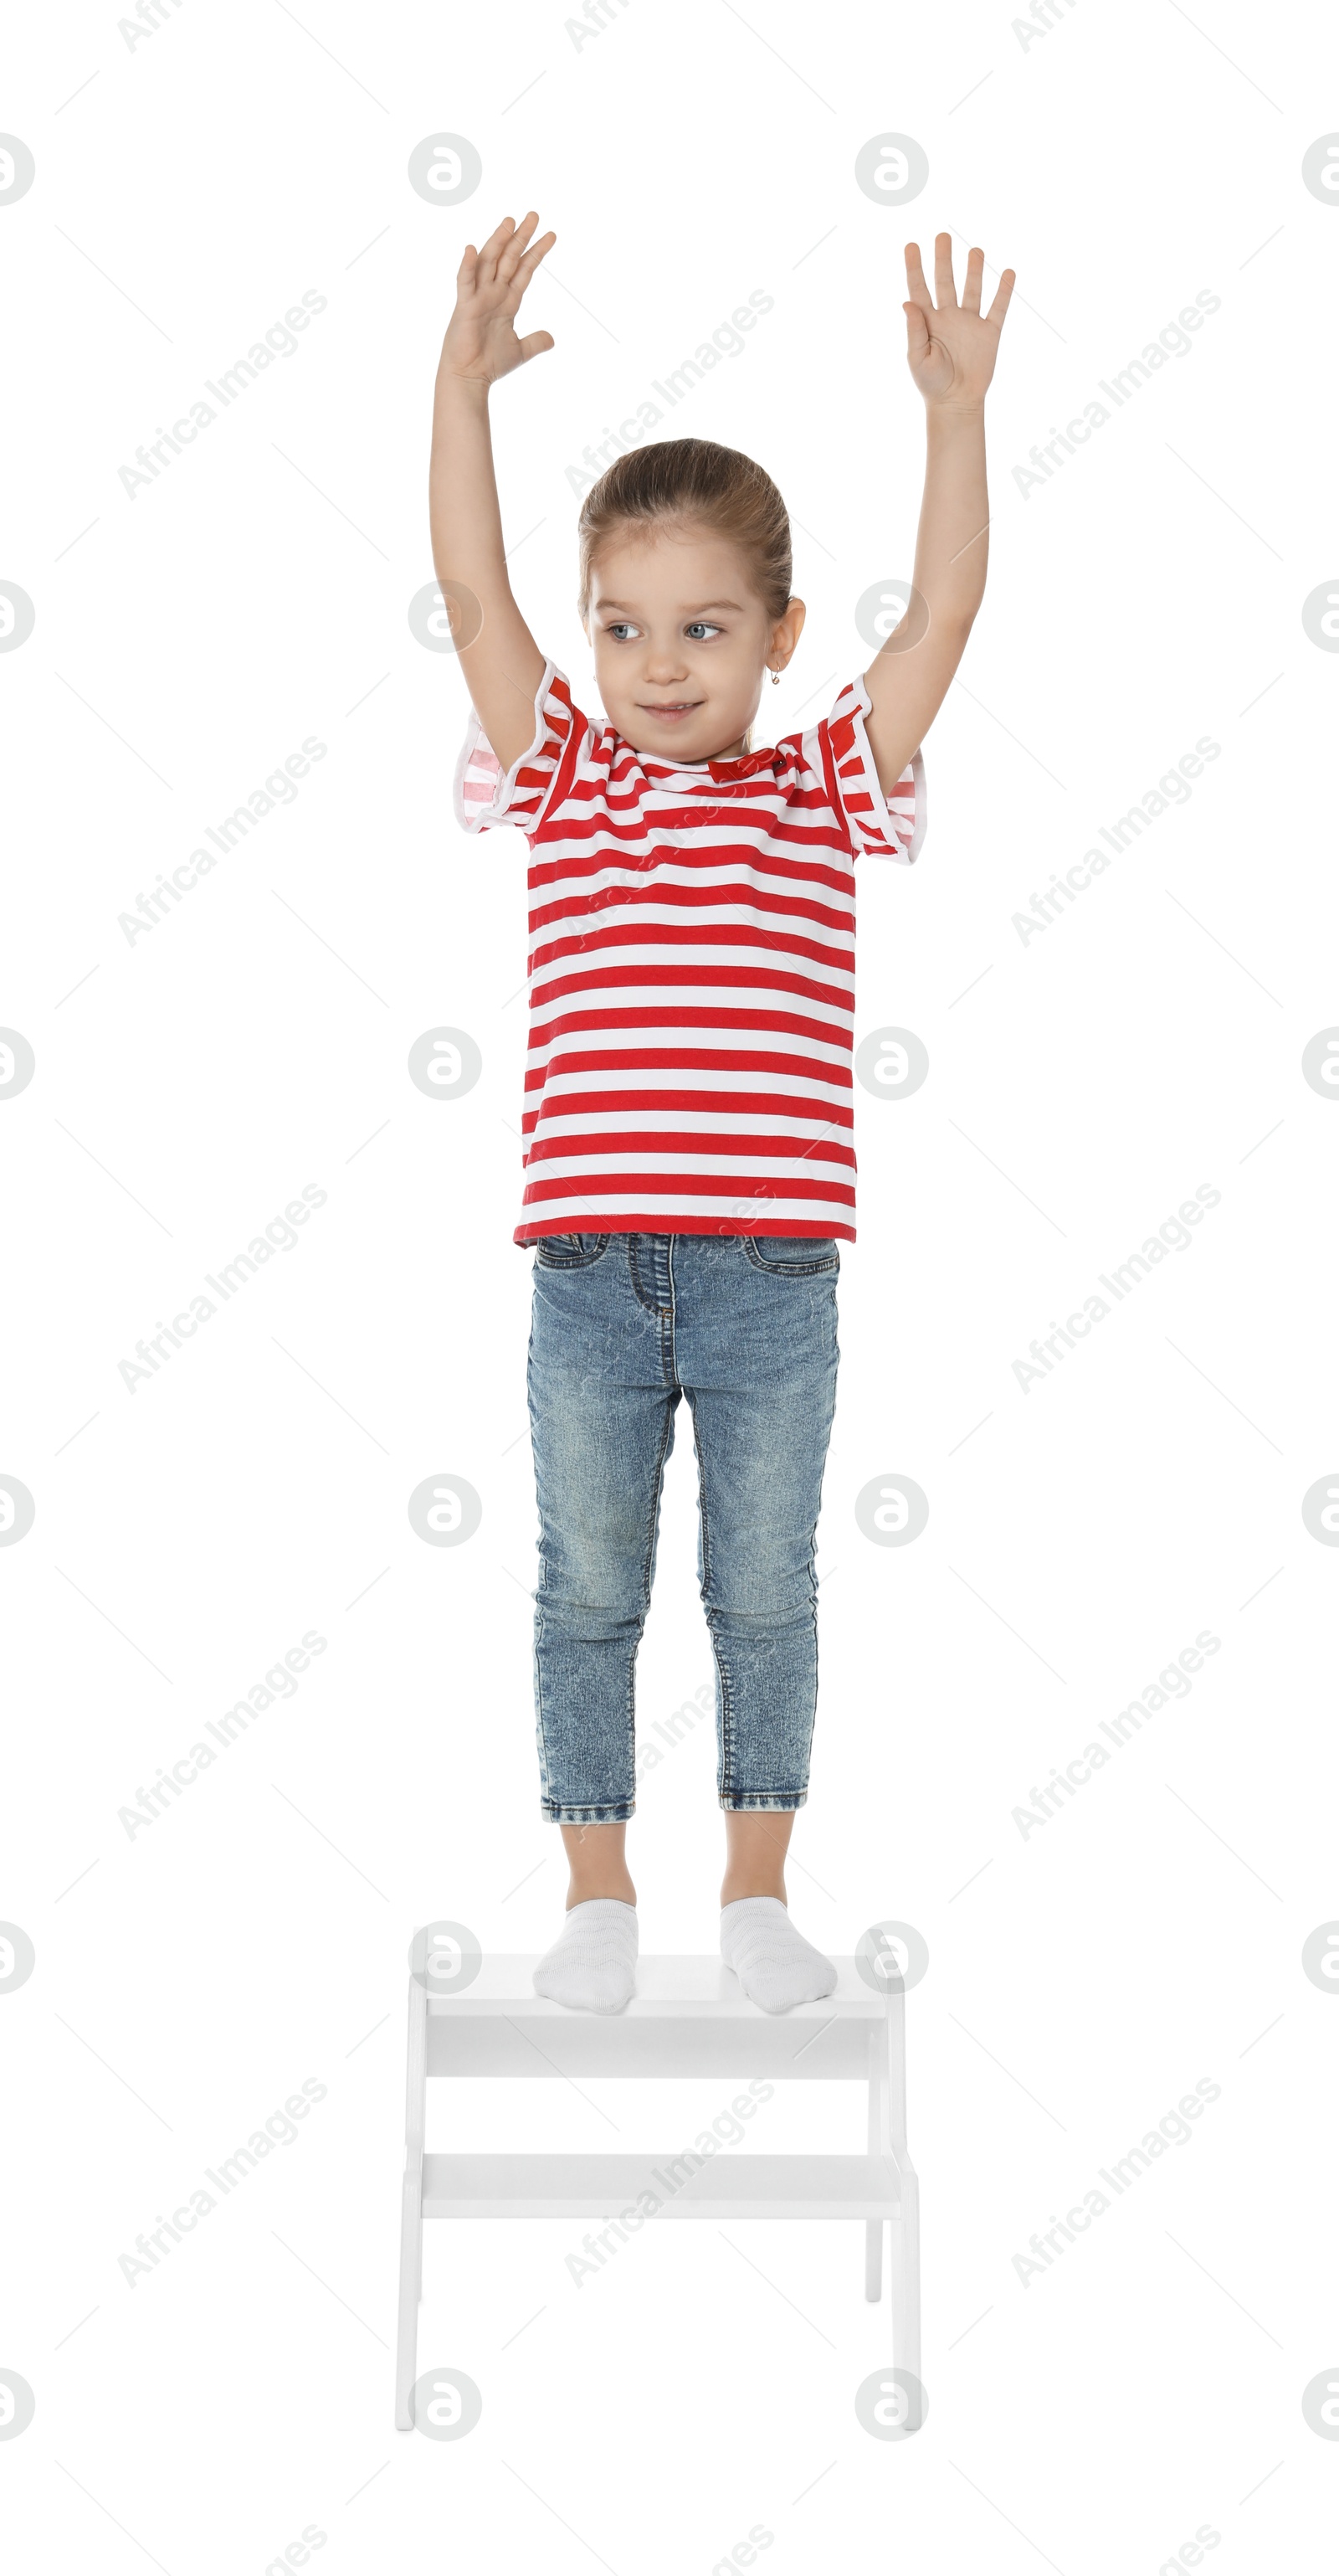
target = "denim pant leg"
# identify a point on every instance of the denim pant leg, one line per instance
(758, 1355)
(602, 1425)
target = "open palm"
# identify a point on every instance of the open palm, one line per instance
(480, 338)
(951, 347)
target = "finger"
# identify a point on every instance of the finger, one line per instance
(916, 286)
(945, 290)
(918, 332)
(537, 251)
(465, 272)
(492, 249)
(535, 343)
(510, 258)
(971, 284)
(1002, 294)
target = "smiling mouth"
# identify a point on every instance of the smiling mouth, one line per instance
(670, 707)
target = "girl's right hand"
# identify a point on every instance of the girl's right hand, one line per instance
(480, 341)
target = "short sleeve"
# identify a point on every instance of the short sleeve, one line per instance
(482, 794)
(881, 827)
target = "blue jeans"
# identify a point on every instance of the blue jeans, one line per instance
(624, 1325)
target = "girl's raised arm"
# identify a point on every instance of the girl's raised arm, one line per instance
(503, 665)
(951, 351)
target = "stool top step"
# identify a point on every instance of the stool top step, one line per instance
(668, 1988)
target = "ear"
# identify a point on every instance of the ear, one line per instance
(788, 629)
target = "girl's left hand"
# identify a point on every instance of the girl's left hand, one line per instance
(950, 346)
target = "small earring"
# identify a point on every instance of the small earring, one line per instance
(776, 679)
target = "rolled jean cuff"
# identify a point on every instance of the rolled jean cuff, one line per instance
(617, 1814)
(762, 1802)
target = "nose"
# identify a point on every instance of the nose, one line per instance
(665, 666)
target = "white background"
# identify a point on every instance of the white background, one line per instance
(1082, 1978)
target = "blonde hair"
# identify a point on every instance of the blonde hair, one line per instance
(692, 480)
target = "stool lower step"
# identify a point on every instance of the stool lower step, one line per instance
(722, 2186)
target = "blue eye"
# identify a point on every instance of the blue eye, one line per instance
(704, 627)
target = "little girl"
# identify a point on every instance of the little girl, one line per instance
(688, 1163)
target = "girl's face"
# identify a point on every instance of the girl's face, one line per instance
(682, 643)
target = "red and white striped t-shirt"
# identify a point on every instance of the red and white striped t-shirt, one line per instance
(692, 969)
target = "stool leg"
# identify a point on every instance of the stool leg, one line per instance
(905, 2284)
(905, 2266)
(411, 2206)
(874, 2226)
(411, 2262)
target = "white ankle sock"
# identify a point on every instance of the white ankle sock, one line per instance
(592, 1966)
(775, 1965)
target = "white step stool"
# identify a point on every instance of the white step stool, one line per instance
(688, 2017)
